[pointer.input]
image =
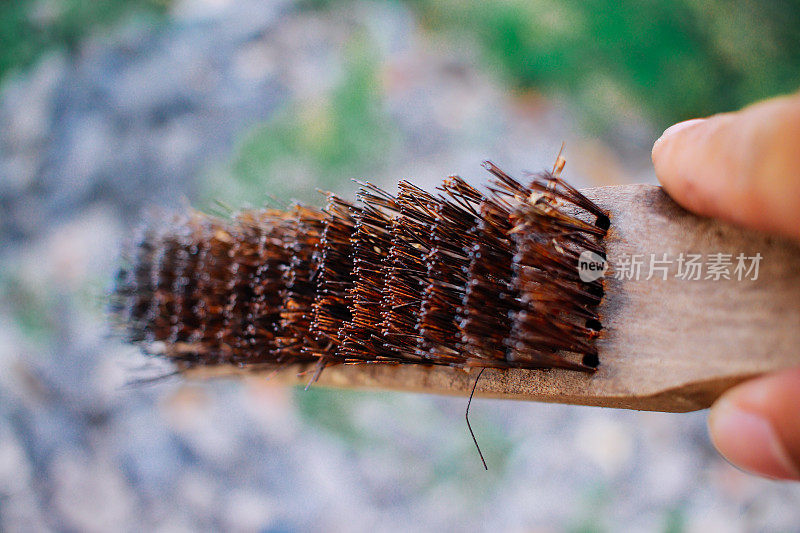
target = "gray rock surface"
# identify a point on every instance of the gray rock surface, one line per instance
(138, 119)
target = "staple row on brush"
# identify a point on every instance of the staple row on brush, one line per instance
(459, 277)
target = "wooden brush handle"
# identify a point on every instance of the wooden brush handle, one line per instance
(667, 345)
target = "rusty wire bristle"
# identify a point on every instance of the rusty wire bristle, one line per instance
(133, 292)
(490, 296)
(361, 336)
(300, 287)
(558, 310)
(447, 276)
(406, 270)
(461, 278)
(333, 277)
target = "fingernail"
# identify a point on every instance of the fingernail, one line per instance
(749, 442)
(680, 126)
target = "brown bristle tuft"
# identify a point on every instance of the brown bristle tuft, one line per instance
(361, 336)
(446, 276)
(406, 268)
(459, 278)
(131, 297)
(304, 234)
(334, 274)
(490, 296)
(557, 311)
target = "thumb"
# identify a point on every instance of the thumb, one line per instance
(743, 167)
(756, 425)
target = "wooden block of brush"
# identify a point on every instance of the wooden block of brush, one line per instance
(667, 345)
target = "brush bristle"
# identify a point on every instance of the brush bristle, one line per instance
(303, 240)
(361, 337)
(333, 277)
(447, 271)
(459, 278)
(406, 270)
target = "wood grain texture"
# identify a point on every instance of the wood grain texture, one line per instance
(667, 345)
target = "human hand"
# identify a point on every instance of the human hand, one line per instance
(744, 167)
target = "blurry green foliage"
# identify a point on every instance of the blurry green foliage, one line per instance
(316, 143)
(675, 520)
(592, 513)
(29, 27)
(452, 454)
(670, 59)
(593, 503)
(333, 411)
(32, 307)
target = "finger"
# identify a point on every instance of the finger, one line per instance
(756, 425)
(743, 167)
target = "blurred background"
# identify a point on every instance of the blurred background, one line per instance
(112, 107)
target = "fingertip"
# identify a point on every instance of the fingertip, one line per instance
(755, 426)
(680, 157)
(741, 167)
(748, 441)
(673, 132)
